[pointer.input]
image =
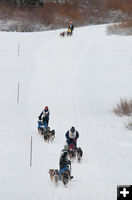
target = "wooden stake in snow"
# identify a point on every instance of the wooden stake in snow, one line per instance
(18, 88)
(31, 152)
(18, 49)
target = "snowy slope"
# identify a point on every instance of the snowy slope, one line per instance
(80, 78)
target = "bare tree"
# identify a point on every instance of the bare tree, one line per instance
(29, 3)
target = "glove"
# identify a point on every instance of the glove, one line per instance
(39, 118)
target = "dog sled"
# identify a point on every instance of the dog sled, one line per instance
(64, 33)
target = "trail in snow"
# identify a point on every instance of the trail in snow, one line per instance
(80, 79)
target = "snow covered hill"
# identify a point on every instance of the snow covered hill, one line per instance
(80, 78)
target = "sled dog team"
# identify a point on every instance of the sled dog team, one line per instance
(68, 154)
(69, 31)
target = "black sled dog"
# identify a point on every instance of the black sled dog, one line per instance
(49, 135)
(79, 154)
(62, 34)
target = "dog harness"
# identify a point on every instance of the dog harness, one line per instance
(63, 169)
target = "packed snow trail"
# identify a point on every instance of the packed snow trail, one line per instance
(80, 78)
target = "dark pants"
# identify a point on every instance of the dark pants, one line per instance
(46, 120)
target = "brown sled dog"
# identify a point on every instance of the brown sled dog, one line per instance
(62, 34)
(51, 173)
(54, 175)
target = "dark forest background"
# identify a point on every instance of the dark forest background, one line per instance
(39, 15)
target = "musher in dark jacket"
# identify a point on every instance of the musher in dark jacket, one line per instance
(71, 27)
(44, 117)
(72, 135)
(65, 164)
